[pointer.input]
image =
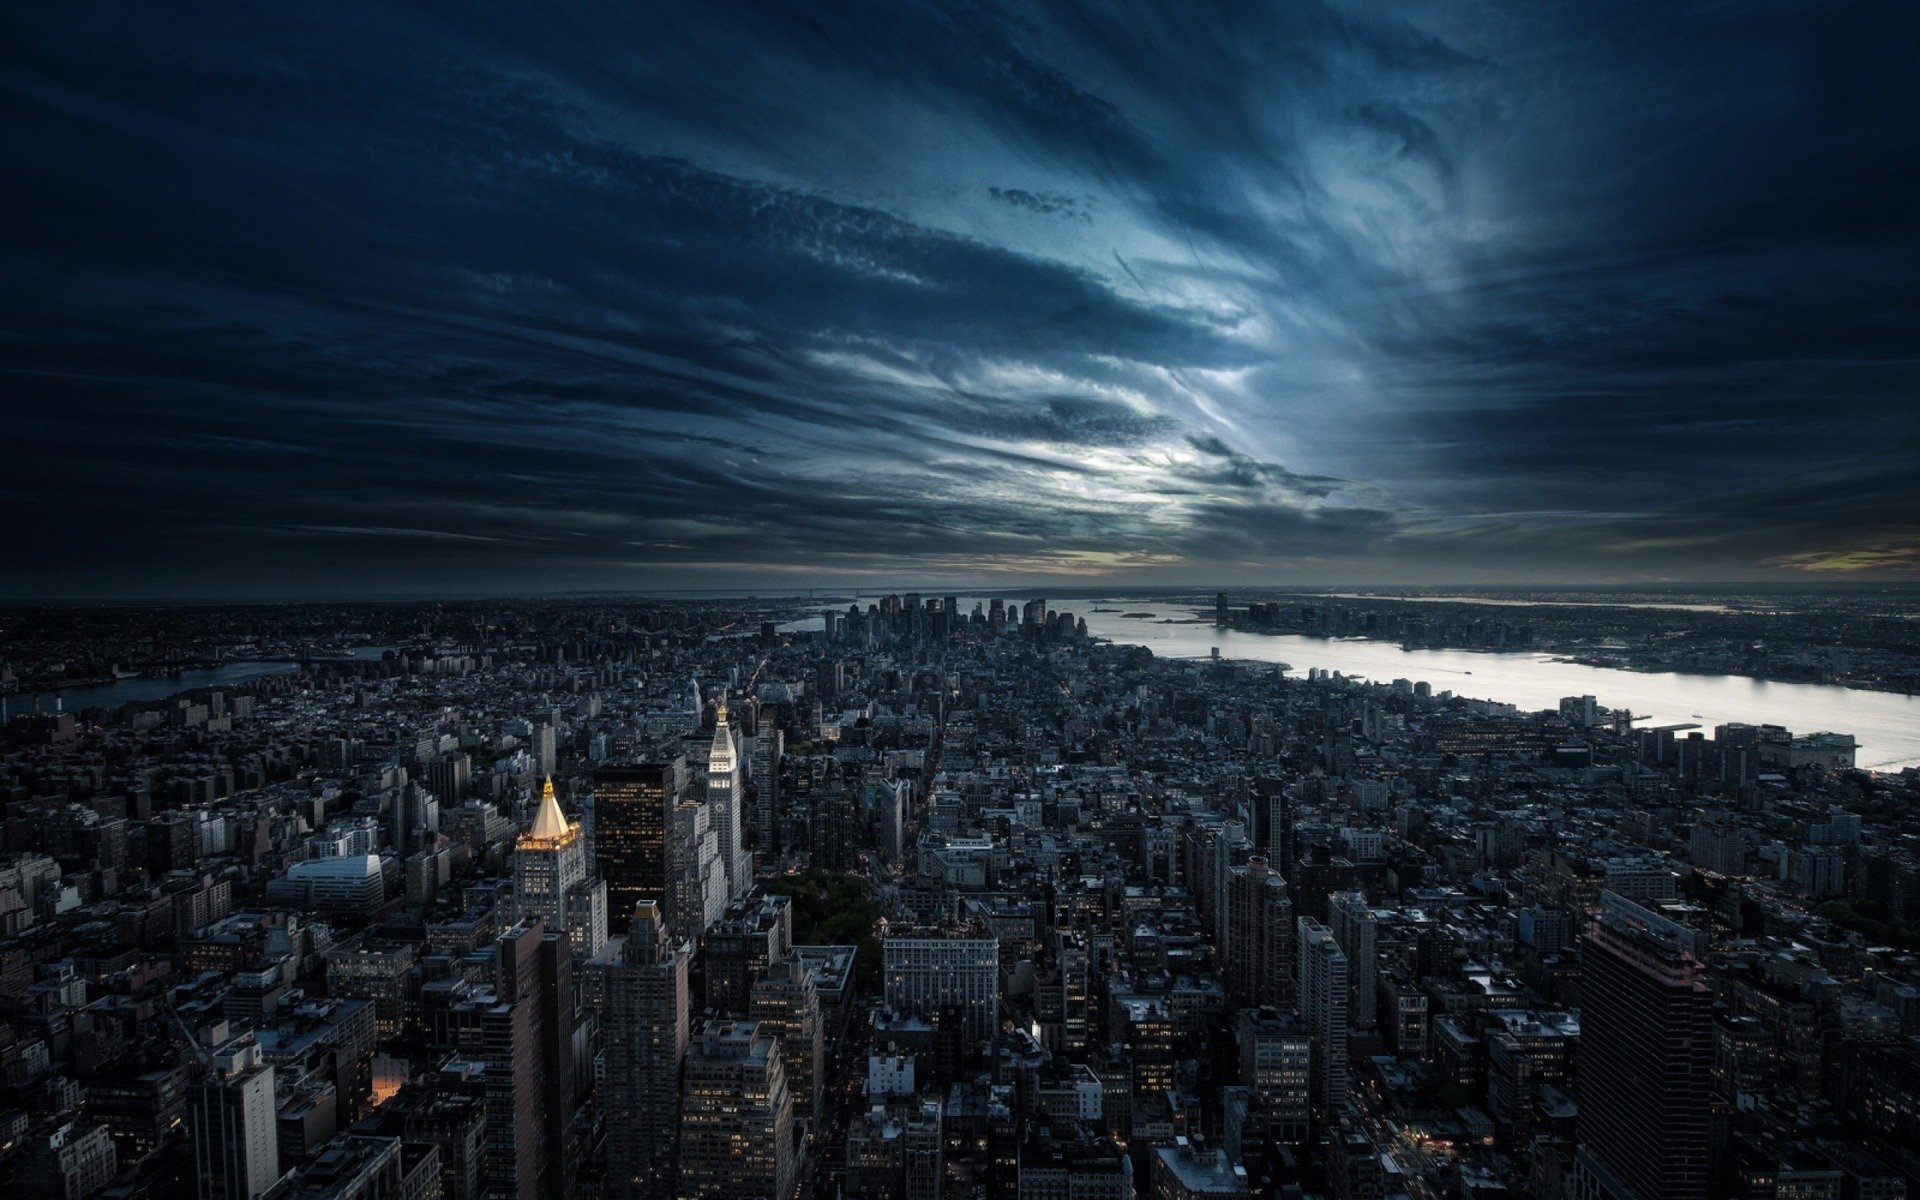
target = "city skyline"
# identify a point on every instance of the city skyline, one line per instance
(629, 899)
(381, 302)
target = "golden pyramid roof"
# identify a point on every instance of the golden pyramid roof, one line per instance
(549, 823)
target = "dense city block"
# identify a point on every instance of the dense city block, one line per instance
(768, 899)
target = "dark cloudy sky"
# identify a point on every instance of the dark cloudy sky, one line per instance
(396, 298)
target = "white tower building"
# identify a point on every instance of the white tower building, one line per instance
(723, 797)
(235, 1143)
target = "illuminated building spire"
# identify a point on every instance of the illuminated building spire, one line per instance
(549, 823)
(720, 760)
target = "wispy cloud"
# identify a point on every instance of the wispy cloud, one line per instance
(461, 300)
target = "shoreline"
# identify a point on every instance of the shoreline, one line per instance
(1569, 658)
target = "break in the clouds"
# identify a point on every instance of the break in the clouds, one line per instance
(373, 298)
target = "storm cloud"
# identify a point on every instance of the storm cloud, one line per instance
(372, 299)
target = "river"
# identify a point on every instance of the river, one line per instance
(1886, 725)
(143, 689)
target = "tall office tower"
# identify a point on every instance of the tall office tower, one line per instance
(927, 970)
(1273, 821)
(528, 1077)
(768, 749)
(742, 945)
(449, 776)
(1220, 610)
(541, 745)
(786, 1003)
(1212, 846)
(1645, 1059)
(736, 1118)
(725, 799)
(696, 882)
(415, 816)
(1260, 936)
(1276, 1066)
(1324, 1003)
(236, 1147)
(638, 985)
(551, 882)
(631, 803)
(1066, 991)
(1354, 927)
(887, 798)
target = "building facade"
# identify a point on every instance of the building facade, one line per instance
(638, 985)
(1324, 1003)
(631, 806)
(1646, 1059)
(552, 882)
(235, 1141)
(926, 971)
(725, 799)
(736, 1117)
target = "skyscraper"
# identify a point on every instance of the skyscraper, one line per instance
(236, 1148)
(887, 799)
(1646, 1057)
(1323, 1001)
(1260, 934)
(449, 776)
(631, 805)
(540, 743)
(1273, 822)
(696, 880)
(725, 799)
(527, 1028)
(1353, 925)
(786, 1004)
(1064, 992)
(638, 984)
(768, 748)
(736, 1118)
(753, 934)
(551, 880)
(415, 817)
